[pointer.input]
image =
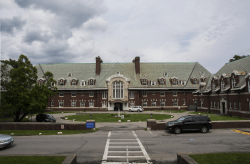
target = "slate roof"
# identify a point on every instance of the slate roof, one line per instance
(152, 71)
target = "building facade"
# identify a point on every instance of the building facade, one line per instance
(155, 86)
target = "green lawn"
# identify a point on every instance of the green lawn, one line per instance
(112, 118)
(203, 113)
(215, 117)
(222, 158)
(44, 132)
(58, 112)
(172, 111)
(32, 159)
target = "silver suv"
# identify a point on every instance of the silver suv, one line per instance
(136, 109)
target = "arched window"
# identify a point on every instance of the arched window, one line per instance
(222, 84)
(233, 82)
(117, 90)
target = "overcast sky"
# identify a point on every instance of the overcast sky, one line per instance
(76, 31)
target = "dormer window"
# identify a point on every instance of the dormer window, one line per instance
(144, 83)
(73, 82)
(195, 81)
(61, 82)
(249, 86)
(222, 84)
(213, 86)
(233, 82)
(161, 82)
(183, 82)
(153, 83)
(82, 83)
(174, 82)
(91, 81)
(70, 75)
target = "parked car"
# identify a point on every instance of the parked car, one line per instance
(5, 140)
(190, 123)
(45, 118)
(136, 109)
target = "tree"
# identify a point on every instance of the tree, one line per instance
(237, 57)
(21, 94)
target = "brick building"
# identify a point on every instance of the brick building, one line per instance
(109, 86)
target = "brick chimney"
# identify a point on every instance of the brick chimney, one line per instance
(137, 64)
(98, 65)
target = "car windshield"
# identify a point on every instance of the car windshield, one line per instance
(181, 119)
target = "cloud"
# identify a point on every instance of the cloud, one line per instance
(10, 25)
(38, 35)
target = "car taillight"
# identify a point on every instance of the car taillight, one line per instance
(210, 122)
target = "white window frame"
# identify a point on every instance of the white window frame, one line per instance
(144, 82)
(73, 93)
(175, 103)
(222, 84)
(202, 104)
(213, 86)
(211, 103)
(73, 103)
(52, 103)
(118, 90)
(174, 93)
(153, 83)
(233, 82)
(162, 93)
(73, 82)
(82, 83)
(214, 104)
(61, 103)
(91, 93)
(104, 104)
(61, 94)
(70, 75)
(82, 104)
(132, 94)
(195, 81)
(91, 82)
(104, 94)
(162, 103)
(235, 106)
(91, 103)
(184, 102)
(61, 82)
(153, 103)
(162, 82)
(174, 82)
(144, 103)
(144, 93)
(230, 105)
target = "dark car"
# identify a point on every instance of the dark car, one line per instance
(190, 123)
(45, 118)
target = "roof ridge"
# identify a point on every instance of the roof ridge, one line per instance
(127, 73)
(190, 75)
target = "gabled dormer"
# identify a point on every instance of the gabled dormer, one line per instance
(62, 82)
(74, 82)
(247, 78)
(183, 82)
(214, 84)
(224, 82)
(194, 80)
(162, 81)
(70, 74)
(144, 81)
(82, 83)
(41, 81)
(91, 81)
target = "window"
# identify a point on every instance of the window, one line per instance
(183, 92)
(61, 94)
(211, 104)
(91, 104)
(82, 93)
(162, 103)
(195, 102)
(104, 94)
(69, 74)
(214, 104)
(195, 81)
(132, 104)
(174, 82)
(235, 107)
(82, 104)
(201, 103)
(162, 93)
(153, 93)
(60, 103)
(175, 103)
(91, 82)
(144, 103)
(175, 93)
(161, 82)
(82, 83)
(104, 104)
(40, 83)
(132, 94)
(184, 102)
(153, 83)
(144, 93)
(153, 103)
(73, 82)
(73, 93)
(233, 82)
(218, 103)
(118, 90)
(61, 82)
(222, 84)
(230, 105)
(249, 85)
(73, 104)
(213, 86)
(52, 103)
(144, 82)
(91, 94)
(239, 106)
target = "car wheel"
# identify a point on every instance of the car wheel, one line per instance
(129, 110)
(177, 130)
(138, 110)
(204, 129)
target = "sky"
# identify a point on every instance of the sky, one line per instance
(76, 31)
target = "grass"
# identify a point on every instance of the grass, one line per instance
(44, 132)
(215, 117)
(112, 118)
(58, 112)
(172, 111)
(32, 159)
(222, 158)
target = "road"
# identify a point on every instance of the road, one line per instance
(160, 146)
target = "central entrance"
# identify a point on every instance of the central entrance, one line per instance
(118, 106)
